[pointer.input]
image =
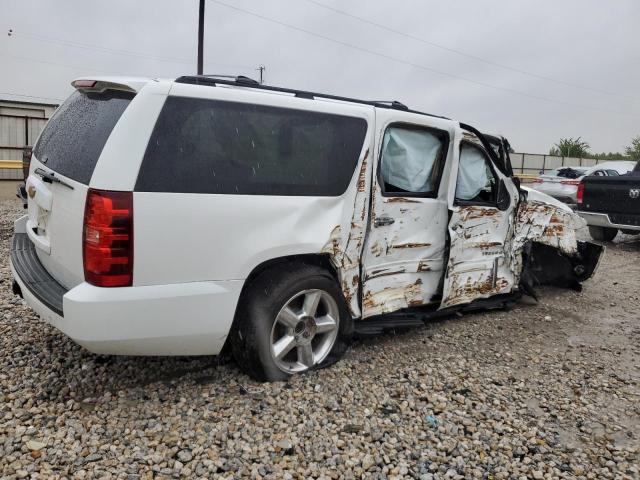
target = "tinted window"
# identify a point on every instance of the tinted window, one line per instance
(476, 180)
(72, 141)
(210, 146)
(612, 173)
(412, 160)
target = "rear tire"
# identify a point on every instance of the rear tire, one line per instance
(285, 323)
(603, 234)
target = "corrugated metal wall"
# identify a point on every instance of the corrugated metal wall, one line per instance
(20, 125)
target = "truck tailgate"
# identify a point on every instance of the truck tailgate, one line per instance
(613, 195)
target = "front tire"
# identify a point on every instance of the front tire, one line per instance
(603, 234)
(290, 320)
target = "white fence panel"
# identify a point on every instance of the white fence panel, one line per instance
(551, 162)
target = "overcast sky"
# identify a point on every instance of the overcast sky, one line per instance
(534, 71)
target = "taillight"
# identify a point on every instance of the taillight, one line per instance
(108, 238)
(84, 83)
(538, 180)
(570, 182)
(580, 193)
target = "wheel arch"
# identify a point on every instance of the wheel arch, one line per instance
(322, 260)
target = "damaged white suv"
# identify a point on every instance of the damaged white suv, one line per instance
(178, 217)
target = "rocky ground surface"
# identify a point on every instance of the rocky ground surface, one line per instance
(545, 390)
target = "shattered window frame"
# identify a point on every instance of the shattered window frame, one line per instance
(472, 203)
(439, 163)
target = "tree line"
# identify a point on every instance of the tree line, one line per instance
(576, 147)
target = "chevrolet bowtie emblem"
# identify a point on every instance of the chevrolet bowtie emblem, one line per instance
(31, 191)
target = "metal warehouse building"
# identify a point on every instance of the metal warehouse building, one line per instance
(20, 125)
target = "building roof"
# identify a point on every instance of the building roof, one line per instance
(22, 102)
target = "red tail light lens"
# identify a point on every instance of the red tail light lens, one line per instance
(580, 193)
(538, 180)
(108, 238)
(84, 83)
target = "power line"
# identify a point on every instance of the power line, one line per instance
(115, 51)
(412, 64)
(459, 52)
(87, 46)
(55, 64)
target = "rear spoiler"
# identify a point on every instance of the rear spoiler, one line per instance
(99, 85)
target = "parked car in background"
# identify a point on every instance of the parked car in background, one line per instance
(611, 204)
(562, 183)
(274, 221)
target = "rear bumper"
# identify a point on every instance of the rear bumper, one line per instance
(603, 220)
(177, 319)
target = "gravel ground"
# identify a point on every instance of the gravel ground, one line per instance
(546, 390)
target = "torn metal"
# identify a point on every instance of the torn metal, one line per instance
(498, 266)
(395, 252)
(344, 245)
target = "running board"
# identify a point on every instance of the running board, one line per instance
(417, 317)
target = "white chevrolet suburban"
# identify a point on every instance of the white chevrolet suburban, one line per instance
(177, 217)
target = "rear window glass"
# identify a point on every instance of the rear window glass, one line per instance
(210, 146)
(567, 172)
(73, 139)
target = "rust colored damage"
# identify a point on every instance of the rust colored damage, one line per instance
(547, 225)
(477, 212)
(533, 221)
(332, 247)
(362, 176)
(554, 229)
(471, 137)
(423, 266)
(376, 249)
(409, 245)
(344, 245)
(483, 245)
(465, 291)
(347, 292)
(384, 271)
(401, 200)
(390, 299)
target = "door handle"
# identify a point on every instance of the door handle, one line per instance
(383, 221)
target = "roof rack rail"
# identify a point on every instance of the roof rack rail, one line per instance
(241, 81)
(393, 104)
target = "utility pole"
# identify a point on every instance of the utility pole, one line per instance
(200, 36)
(261, 69)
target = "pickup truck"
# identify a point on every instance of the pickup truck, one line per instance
(611, 204)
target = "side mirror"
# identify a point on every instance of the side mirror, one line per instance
(504, 199)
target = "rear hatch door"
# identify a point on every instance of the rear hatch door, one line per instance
(63, 162)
